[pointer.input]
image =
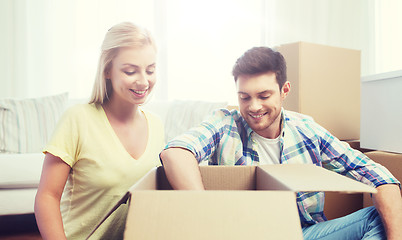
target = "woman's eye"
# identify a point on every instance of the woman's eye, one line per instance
(129, 73)
(151, 70)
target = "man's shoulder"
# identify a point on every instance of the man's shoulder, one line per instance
(226, 119)
(299, 122)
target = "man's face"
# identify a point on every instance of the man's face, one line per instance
(260, 102)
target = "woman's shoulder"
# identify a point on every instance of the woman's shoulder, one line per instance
(82, 111)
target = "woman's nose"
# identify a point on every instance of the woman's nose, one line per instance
(142, 79)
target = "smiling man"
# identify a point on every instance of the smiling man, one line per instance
(264, 133)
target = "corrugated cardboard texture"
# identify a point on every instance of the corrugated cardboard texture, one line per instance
(291, 53)
(149, 181)
(392, 161)
(310, 178)
(339, 204)
(228, 177)
(325, 84)
(214, 178)
(202, 215)
(228, 214)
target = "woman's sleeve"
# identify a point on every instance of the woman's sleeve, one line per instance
(65, 140)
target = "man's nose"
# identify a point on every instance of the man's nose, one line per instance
(255, 105)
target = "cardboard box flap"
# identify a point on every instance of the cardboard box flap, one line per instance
(149, 181)
(228, 177)
(123, 200)
(306, 178)
(174, 215)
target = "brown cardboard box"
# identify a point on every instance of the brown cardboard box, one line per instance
(392, 161)
(243, 202)
(325, 84)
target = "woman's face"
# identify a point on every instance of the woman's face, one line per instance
(133, 74)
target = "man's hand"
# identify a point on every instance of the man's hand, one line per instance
(182, 169)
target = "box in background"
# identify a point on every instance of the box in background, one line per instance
(381, 112)
(240, 202)
(392, 161)
(325, 84)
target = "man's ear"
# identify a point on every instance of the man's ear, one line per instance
(285, 89)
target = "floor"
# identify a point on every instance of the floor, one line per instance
(19, 227)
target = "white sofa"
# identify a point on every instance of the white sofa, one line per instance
(20, 168)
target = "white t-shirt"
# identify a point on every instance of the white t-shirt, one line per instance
(268, 149)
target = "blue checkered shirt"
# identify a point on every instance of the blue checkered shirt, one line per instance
(225, 138)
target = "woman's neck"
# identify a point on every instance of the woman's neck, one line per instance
(122, 112)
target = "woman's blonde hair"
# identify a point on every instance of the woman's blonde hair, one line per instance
(124, 34)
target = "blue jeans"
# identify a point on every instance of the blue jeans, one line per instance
(363, 224)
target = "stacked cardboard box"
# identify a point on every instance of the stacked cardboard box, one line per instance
(392, 161)
(325, 84)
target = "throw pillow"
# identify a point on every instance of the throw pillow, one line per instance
(26, 124)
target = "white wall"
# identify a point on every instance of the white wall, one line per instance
(52, 46)
(388, 36)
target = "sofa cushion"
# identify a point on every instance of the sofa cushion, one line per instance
(183, 115)
(26, 124)
(20, 170)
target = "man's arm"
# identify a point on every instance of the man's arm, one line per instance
(181, 169)
(388, 203)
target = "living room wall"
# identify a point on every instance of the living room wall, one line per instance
(50, 47)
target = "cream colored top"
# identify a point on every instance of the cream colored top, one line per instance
(101, 169)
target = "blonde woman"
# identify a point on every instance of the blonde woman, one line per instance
(101, 148)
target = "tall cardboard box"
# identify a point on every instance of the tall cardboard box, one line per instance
(241, 202)
(325, 84)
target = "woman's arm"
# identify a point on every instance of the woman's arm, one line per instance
(47, 202)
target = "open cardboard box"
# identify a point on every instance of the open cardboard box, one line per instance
(260, 203)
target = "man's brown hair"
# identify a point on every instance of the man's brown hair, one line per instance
(260, 60)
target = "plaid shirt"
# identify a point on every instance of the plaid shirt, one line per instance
(225, 138)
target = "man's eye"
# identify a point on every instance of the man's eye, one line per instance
(244, 98)
(264, 97)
